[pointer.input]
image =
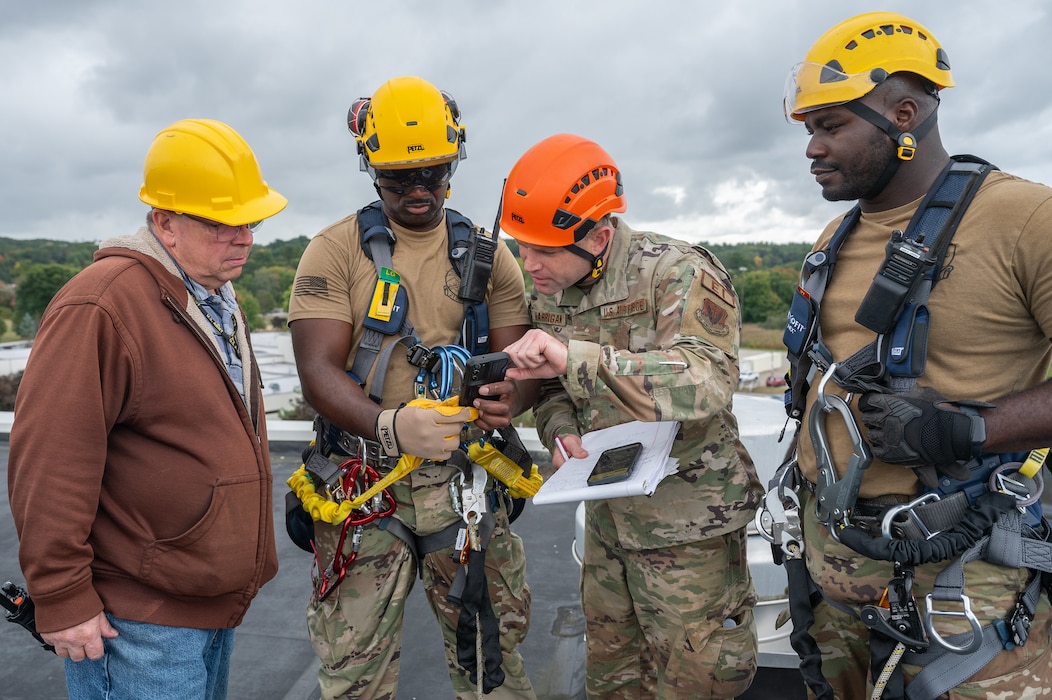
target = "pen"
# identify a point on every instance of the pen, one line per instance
(562, 448)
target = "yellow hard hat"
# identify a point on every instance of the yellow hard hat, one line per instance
(407, 123)
(203, 167)
(855, 56)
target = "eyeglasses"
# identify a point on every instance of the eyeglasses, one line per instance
(224, 232)
(430, 179)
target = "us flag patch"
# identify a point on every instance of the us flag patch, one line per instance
(310, 286)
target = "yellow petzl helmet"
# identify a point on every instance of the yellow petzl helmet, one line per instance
(855, 56)
(407, 123)
(203, 167)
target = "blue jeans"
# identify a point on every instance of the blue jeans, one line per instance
(157, 662)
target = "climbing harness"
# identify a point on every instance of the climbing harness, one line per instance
(353, 493)
(320, 489)
(995, 515)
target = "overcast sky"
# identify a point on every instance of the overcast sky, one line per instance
(686, 96)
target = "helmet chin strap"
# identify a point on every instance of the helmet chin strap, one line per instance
(905, 142)
(596, 262)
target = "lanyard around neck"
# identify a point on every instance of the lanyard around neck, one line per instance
(229, 337)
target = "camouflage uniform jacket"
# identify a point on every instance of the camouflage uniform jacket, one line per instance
(656, 338)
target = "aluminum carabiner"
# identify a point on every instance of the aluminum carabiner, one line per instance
(835, 497)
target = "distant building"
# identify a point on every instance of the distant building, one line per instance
(13, 356)
(277, 367)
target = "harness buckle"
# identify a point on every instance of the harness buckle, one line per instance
(326, 474)
(908, 509)
(976, 640)
(1014, 629)
(422, 356)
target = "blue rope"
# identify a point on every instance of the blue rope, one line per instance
(439, 383)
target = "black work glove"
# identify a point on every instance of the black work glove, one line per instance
(923, 430)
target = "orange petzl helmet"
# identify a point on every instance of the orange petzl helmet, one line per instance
(558, 190)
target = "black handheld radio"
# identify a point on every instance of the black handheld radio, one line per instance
(20, 610)
(905, 263)
(478, 265)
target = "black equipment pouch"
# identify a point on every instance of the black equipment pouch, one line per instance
(801, 326)
(298, 523)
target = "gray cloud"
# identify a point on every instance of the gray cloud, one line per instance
(685, 95)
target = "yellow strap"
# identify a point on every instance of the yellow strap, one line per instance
(1033, 462)
(321, 508)
(520, 485)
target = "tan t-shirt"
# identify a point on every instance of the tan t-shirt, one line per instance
(991, 312)
(335, 280)
(344, 278)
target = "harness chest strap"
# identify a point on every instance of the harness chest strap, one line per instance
(895, 305)
(470, 254)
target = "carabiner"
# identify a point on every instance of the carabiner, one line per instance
(977, 629)
(836, 497)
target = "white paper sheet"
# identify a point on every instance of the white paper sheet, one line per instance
(570, 482)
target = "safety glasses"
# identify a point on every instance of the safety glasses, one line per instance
(430, 179)
(224, 232)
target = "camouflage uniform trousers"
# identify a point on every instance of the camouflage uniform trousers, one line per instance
(357, 631)
(655, 619)
(848, 577)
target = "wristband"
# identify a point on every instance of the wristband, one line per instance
(977, 433)
(385, 432)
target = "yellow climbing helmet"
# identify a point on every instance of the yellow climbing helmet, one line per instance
(407, 123)
(858, 54)
(203, 167)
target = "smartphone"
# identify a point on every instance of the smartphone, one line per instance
(615, 464)
(480, 370)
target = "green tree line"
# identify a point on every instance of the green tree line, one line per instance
(32, 271)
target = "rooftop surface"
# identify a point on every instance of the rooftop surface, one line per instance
(273, 659)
